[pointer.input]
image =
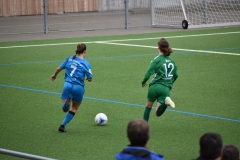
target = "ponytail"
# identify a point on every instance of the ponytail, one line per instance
(163, 46)
(80, 49)
(167, 52)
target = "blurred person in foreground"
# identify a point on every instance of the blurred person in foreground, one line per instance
(230, 152)
(210, 147)
(138, 133)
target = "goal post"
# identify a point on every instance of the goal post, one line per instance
(194, 13)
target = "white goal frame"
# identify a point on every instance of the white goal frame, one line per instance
(194, 13)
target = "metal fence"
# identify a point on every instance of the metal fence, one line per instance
(23, 155)
(72, 15)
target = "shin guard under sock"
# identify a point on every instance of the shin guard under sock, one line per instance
(147, 113)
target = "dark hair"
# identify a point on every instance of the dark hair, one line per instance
(80, 49)
(230, 152)
(210, 146)
(163, 46)
(138, 132)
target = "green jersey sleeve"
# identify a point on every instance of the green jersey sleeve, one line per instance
(175, 75)
(151, 70)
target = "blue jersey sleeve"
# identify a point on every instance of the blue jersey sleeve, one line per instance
(63, 65)
(88, 70)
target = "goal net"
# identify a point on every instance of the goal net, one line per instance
(195, 13)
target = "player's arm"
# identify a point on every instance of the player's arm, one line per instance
(175, 75)
(61, 67)
(89, 75)
(54, 76)
(151, 70)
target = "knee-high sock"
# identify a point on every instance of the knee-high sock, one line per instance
(146, 113)
(69, 116)
(161, 109)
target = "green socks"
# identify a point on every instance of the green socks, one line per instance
(161, 109)
(147, 113)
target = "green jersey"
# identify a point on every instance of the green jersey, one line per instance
(164, 70)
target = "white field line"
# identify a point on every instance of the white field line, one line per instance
(183, 36)
(140, 39)
(187, 50)
(43, 45)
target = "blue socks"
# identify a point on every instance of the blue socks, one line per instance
(69, 116)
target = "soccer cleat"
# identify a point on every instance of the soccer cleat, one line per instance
(66, 105)
(169, 102)
(62, 129)
(68, 101)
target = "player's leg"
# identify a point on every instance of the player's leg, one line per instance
(161, 107)
(77, 92)
(66, 96)
(69, 115)
(150, 100)
(66, 103)
(147, 110)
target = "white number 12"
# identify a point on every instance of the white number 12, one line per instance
(170, 66)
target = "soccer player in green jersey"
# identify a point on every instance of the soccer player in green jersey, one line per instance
(165, 73)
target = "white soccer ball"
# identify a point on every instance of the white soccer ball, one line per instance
(101, 119)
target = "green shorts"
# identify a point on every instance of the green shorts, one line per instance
(158, 92)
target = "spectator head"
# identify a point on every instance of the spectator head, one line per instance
(138, 132)
(210, 146)
(230, 152)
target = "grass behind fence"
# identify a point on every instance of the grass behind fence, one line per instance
(206, 95)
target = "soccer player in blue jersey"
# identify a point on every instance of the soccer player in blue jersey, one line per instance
(165, 73)
(77, 68)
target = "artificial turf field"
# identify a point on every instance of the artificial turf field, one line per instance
(207, 94)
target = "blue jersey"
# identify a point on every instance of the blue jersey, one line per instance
(76, 70)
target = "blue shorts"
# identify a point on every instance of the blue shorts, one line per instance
(75, 91)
